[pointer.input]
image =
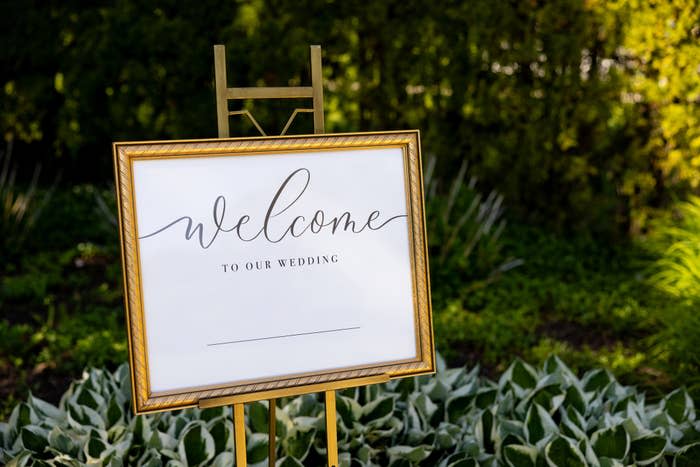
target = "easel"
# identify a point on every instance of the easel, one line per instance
(315, 92)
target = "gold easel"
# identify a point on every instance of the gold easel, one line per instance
(315, 92)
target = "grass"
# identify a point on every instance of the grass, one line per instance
(587, 301)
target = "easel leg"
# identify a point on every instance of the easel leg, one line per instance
(272, 432)
(239, 434)
(331, 430)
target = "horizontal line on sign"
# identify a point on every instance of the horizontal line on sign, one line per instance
(324, 331)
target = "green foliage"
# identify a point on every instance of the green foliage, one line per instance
(465, 228)
(20, 208)
(529, 417)
(583, 299)
(676, 240)
(61, 301)
(581, 113)
(662, 42)
(63, 309)
(677, 271)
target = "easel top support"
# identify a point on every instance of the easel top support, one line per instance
(225, 94)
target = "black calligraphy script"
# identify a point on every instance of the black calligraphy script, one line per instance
(318, 222)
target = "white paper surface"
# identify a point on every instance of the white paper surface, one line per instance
(231, 310)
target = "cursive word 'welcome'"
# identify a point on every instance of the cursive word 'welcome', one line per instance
(275, 232)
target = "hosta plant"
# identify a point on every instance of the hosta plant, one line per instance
(529, 417)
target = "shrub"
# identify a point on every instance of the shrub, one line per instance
(529, 417)
(677, 272)
(582, 113)
(465, 233)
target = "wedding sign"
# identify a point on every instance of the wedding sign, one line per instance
(256, 264)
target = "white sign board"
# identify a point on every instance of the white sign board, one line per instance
(254, 264)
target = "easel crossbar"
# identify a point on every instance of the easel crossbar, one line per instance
(292, 391)
(292, 92)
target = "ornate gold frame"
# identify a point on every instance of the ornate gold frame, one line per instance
(126, 152)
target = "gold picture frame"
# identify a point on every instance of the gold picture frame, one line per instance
(125, 153)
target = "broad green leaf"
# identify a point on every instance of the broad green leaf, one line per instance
(167, 441)
(459, 402)
(304, 406)
(62, 442)
(196, 444)
(154, 442)
(622, 404)
(634, 427)
(506, 405)
(648, 449)
(584, 446)
(436, 390)
(574, 398)
(507, 427)
(446, 435)
(22, 415)
(348, 409)
(6, 435)
(90, 398)
(412, 421)
(576, 417)
(222, 434)
(518, 455)
(538, 424)
(570, 428)
(440, 363)
(425, 407)
(94, 418)
(687, 456)
(289, 461)
(389, 428)
(122, 447)
(175, 428)
(523, 374)
(483, 431)
(45, 409)
(562, 453)
(660, 420)
(549, 397)
(94, 448)
(22, 459)
(213, 413)
(34, 438)
(485, 397)
(114, 411)
(678, 405)
(613, 442)
(257, 416)
(256, 447)
(451, 377)
(298, 443)
(364, 453)
(141, 427)
(379, 410)
(412, 454)
(224, 459)
(554, 364)
(463, 463)
(608, 462)
(596, 380)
